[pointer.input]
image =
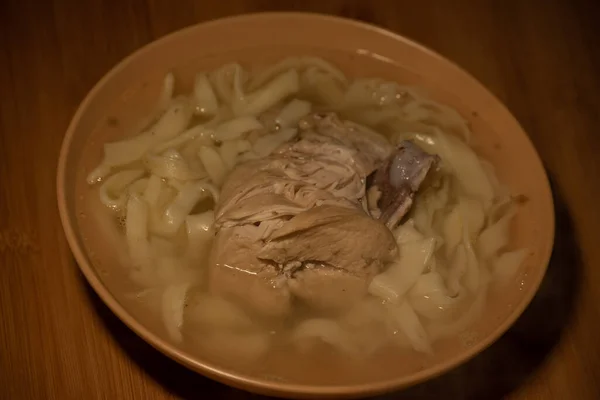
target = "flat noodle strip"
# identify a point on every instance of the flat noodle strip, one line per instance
(113, 192)
(295, 63)
(166, 93)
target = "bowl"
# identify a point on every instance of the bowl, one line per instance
(128, 91)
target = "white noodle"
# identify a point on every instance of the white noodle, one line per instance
(152, 192)
(172, 122)
(166, 93)
(428, 204)
(441, 329)
(138, 187)
(197, 132)
(199, 228)
(233, 129)
(473, 215)
(506, 265)
(230, 150)
(175, 184)
(326, 330)
(296, 63)
(182, 205)
(213, 164)
(453, 230)
(495, 237)
(172, 165)
(323, 87)
(473, 271)
(430, 298)
(361, 93)
(267, 144)
(465, 166)
(292, 113)
(113, 193)
(136, 232)
(405, 318)
(458, 268)
(172, 309)
(415, 254)
(222, 80)
(274, 92)
(205, 99)
(422, 109)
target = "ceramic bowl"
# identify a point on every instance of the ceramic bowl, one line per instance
(114, 106)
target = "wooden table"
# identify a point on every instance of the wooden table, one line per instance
(58, 341)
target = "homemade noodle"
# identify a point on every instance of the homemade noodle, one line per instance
(162, 185)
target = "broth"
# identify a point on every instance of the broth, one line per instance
(321, 364)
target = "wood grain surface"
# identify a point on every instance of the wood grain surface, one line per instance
(58, 341)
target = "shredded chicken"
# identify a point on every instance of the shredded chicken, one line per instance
(298, 223)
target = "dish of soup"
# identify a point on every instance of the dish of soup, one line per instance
(291, 209)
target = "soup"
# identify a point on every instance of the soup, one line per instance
(375, 225)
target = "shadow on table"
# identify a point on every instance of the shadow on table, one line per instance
(493, 374)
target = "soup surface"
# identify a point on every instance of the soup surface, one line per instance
(297, 223)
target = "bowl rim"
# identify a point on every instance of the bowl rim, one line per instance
(239, 380)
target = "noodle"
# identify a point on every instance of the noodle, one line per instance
(213, 164)
(292, 113)
(268, 143)
(205, 100)
(166, 93)
(172, 309)
(235, 128)
(166, 181)
(113, 193)
(415, 255)
(230, 150)
(406, 319)
(261, 100)
(172, 165)
(325, 330)
(298, 63)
